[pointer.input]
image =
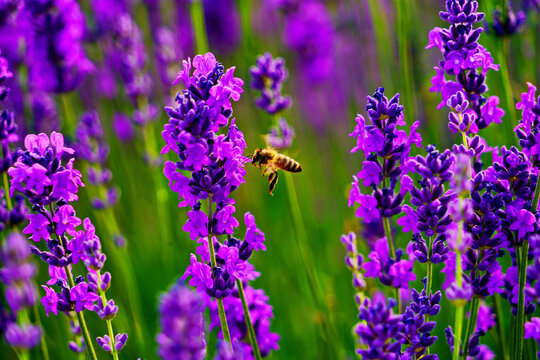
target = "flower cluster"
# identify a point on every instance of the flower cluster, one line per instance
(386, 148)
(261, 315)
(215, 163)
(395, 272)
(507, 22)
(532, 330)
(416, 331)
(268, 76)
(12, 208)
(354, 261)
(57, 61)
(466, 62)
(182, 324)
(126, 59)
(91, 146)
(429, 218)
(528, 129)
(378, 329)
(17, 275)
(39, 174)
(310, 34)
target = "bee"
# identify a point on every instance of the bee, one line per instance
(272, 161)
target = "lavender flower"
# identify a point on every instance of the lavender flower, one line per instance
(57, 61)
(395, 272)
(216, 165)
(261, 314)
(91, 146)
(430, 218)
(379, 329)
(310, 34)
(12, 208)
(17, 275)
(50, 185)
(386, 149)
(182, 324)
(508, 22)
(268, 76)
(222, 22)
(532, 330)
(528, 129)
(45, 112)
(462, 56)
(416, 331)
(127, 56)
(354, 261)
(9, 10)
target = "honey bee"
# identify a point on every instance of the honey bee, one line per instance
(272, 161)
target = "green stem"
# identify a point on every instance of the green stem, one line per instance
(6, 191)
(537, 48)
(429, 267)
(500, 325)
(506, 84)
(383, 45)
(22, 353)
(70, 120)
(114, 353)
(518, 355)
(199, 28)
(534, 205)
(460, 307)
(523, 257)
(471, 325)
(464, 137)
(388, 234)
(304, 249)
(80, 315)
(404, 63)
(43, 343)
(249, 324)
(459, 328)
(221, 309)
(82, 322)
(390, 240)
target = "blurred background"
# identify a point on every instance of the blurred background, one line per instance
(337, 52)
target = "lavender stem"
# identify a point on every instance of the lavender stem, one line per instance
(199, 29)
(388, 234)
(43, 342)
(80, 316)
(460, 308)
(82, 322)
(249, 324)
(502, 51)
(114, 353)
(221, 310)
(473, 314)
(522, 266)
(6, 191)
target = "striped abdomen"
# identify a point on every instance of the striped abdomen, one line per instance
(286, 163)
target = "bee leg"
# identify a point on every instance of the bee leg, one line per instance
(272, 179)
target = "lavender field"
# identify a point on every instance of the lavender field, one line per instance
(269, 179)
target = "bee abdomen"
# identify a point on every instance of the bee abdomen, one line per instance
(286, 163)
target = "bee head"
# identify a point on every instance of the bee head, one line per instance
(256, 156)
